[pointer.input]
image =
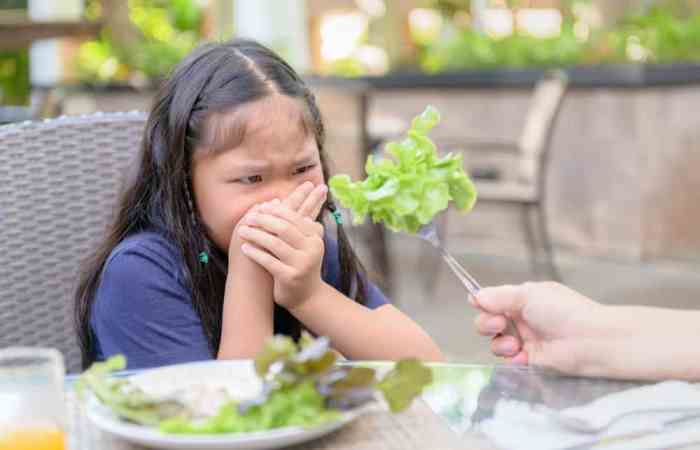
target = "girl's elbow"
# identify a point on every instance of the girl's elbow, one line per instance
(435, 355)
(430, 353)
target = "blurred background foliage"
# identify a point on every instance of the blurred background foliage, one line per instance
(14, 77)
(14, 64)
(665, 32)
(166, 31)
(441, 36)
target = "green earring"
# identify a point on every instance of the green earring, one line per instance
(204, 258)
(335, 213)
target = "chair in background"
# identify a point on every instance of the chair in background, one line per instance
(526, 188)
(43, 103)
(60, 178)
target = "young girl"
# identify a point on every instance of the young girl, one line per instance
(218, 242)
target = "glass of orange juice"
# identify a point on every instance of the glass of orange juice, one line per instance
(32, 404)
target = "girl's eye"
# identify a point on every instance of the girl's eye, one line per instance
(304, 169)
(249, 180)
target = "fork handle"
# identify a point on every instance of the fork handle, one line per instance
(467, 280)
(473, 288)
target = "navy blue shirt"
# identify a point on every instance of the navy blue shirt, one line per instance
(143, 305)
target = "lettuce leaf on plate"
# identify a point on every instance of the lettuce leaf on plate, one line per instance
(302, 386)
(123, 398)
(297, 405)
(406, 192)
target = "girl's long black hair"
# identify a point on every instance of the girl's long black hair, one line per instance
(214, 78)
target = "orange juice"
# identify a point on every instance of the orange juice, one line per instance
(33, 438)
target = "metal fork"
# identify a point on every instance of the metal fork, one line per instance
(429, 234)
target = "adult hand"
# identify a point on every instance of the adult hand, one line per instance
(557, 325)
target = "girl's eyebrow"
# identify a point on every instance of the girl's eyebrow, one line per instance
(251, 165)
(305, 158)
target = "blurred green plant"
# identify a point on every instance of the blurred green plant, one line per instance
(471, 49)
(167, 31)
(14, 77)
(665, 33)
(347, 67)
(14, 64)
(659, 36)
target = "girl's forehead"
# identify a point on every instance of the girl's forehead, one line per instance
(274, 117)
(277, 109)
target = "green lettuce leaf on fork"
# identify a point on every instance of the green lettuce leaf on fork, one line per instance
(406, 192)
(302, 386)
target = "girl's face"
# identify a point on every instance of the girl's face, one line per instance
(254, 154)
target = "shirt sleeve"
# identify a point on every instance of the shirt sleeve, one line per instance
(331, 275)
(143, 310)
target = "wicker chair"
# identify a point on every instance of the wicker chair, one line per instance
(59, 183)
(44, 103)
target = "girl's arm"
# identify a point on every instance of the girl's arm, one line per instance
(248, 312)
(362, 333)
(291, 248)
(248, 316)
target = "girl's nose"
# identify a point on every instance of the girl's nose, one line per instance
(283, 189)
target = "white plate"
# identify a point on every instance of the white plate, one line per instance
(239, 378)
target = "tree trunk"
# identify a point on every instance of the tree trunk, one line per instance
(115, 14)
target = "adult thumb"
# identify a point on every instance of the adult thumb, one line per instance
(503, 300)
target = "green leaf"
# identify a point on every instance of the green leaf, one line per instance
(127, 401)
(356, 377)
(347, 388)
(277, 348)
(404, 383)
(297, 405)
(426, 120)
(316, 358)
(406, 192)
(306, 388)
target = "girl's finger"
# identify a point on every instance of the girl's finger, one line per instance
(253, 209)
(268, 242)
(307, 226)
(277, 226)
(314, 228)
(314, 202)
(274, 266)
(296, 198)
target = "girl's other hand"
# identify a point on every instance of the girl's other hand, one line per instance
(234, 250)
(289, 245)
(307, 199)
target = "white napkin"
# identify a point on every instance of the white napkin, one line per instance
(517, 425)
